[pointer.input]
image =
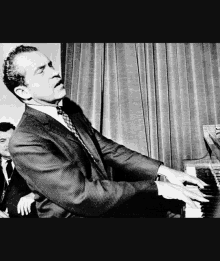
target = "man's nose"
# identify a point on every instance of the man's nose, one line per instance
(55, 74)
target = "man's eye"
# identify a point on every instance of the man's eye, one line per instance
(40, 71)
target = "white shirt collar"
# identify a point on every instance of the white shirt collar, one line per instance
(4, 160)
(51, 111)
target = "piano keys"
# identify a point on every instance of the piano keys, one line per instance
(208, 170)
(205, 209)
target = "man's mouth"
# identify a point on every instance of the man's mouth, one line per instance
(58, 83)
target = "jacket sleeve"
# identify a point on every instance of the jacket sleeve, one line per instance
(133, 166)
(64, 182)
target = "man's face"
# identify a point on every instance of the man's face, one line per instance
(4, 140)
(41, 77)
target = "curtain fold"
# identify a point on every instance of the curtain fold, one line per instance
(151, 97)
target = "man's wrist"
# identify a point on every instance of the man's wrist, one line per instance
(163, 170)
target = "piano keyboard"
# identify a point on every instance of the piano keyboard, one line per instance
(211, 176)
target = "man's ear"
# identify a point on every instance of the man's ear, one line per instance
(22, 92)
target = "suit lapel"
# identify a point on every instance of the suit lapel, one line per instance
(3, 185)
(53, 125)
(2, 180)
(50, 123)
(58, 128)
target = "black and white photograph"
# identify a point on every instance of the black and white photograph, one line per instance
(110, 130)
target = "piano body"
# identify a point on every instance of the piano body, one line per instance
(208, 170)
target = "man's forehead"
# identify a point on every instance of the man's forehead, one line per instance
(30, 60)
(6, 134)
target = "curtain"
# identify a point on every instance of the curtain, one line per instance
(151, 97)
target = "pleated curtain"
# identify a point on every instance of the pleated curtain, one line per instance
(151, 97)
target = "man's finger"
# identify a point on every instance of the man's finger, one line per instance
(189, 202)
(196, 190)
(196, 204)
(18, 207)
(22, 207)
(29, 208)
(195, 181)
(26, 209)
(195, 195)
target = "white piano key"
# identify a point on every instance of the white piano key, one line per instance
(191, 212)
(191, 170)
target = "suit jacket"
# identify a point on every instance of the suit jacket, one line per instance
(16, 189)
(61, 174)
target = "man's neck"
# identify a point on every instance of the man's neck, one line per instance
(42, 103)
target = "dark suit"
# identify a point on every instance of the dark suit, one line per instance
(64, 179)
(16, 189)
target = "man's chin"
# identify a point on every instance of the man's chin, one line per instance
(61, 94)
(48, 100)
(6, 155)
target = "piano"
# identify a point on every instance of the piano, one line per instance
(208, 170)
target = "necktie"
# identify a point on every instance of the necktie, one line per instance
(9, 169)
(75, 132)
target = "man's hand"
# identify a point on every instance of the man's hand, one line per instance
(24, 204)
(4, 214)
(178, 177)
(173, 191)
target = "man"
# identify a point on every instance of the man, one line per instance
(15, 196)
(64, 160)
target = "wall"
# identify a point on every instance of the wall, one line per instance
(11, 108)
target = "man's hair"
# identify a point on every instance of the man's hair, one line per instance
(11, 76)
(5, 126)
